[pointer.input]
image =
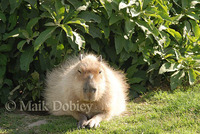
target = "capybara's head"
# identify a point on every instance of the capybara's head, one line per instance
(90, 78)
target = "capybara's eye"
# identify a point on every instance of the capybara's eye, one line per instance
(79, 71)
(100, 71)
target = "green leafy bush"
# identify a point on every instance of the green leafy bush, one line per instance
(151, 40)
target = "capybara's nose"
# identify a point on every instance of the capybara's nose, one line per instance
(90, 90)
(93, 90)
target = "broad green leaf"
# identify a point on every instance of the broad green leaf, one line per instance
(193, 16)
(35, 34)
(147, 28)
(12, 21)
(5, 47)
(104, 27)
(73, 44)
(80, 22)
(26, 58)
(49, 9)
(124, 56)
(31, 24)
(90, 16)
(169, 67)
(4, 5)
(2, 17)
(2, 71)
(185, 3)
(177, 17)
(119, 43)
(146, 51)
(155, 15)
(115, 18)
(139, 88)
(164, 16)
(14, 4)
(129, 27)
(3, 60)
(93, 43)
(25, 33)
(60, 10)
(43, 37)
(145, 4)
(95, 31)
(46, 15)
(175, 34)
(176, 79)
(130, 46)
(197, 72)
(76, 3)
(197, 57)
(195, 28)
(20, 45)
(8, 82)
(131, 70)
(108, 7)
(192, 76)
(70, 15)
(135, 80)
(164, 7)
(153, 67)
(14, 33)
(165, 39)
(111, 52)
(68, 31)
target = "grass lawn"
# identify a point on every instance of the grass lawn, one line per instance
(154, 112)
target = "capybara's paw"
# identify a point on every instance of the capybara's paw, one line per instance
(93, 123)
(82, 123)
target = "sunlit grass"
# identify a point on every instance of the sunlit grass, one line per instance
(154, 112)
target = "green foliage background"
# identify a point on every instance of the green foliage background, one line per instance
(151, 40)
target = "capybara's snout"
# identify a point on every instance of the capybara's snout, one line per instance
(89, 86)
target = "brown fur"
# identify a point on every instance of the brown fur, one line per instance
(76, 80)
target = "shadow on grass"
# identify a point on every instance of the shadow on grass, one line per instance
(20, 122)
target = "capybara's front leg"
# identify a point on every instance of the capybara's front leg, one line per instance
(82, 119)
(94, 121)
(82, 122)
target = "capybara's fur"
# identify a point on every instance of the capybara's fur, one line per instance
(98, 91)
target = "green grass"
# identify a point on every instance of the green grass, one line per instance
(156, 112)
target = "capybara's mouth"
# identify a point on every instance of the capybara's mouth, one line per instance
(89, 97)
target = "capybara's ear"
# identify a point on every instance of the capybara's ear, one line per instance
(80, 56)
(100, 58)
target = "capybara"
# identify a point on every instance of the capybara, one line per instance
(88, 89)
